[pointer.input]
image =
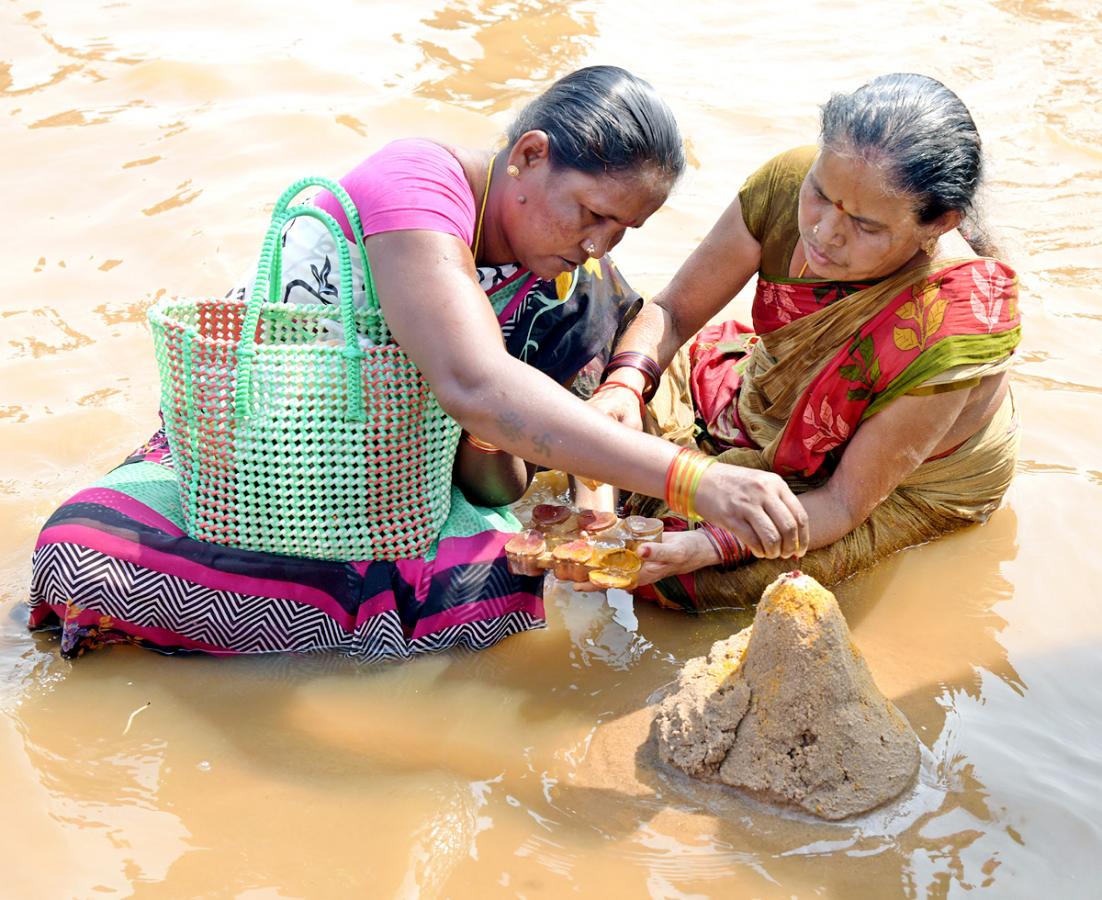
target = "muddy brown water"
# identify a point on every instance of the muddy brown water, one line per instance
(142, 143)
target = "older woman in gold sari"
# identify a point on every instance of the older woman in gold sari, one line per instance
(874, 378)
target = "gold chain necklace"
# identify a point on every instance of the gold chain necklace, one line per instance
(482, 209)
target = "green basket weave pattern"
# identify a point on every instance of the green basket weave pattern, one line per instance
(290, 442)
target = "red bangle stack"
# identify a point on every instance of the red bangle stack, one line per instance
(630, 359)
(731, 550)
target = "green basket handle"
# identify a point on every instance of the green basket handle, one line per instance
(269, 258)
(377, 330)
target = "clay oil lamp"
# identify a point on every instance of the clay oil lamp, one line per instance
(556, 523)
(600, 526)
(523, 551)
(616, 568)
(572, 560)
(641, 529)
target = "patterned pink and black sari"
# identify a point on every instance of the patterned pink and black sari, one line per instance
(114, 564)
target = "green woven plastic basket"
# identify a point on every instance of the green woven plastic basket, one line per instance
(289, 443)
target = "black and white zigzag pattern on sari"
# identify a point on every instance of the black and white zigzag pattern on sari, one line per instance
(68, 573)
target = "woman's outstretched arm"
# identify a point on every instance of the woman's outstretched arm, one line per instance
(706, 282)
(883, 452)
(430, 295)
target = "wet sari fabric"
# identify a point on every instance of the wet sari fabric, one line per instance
(822, 358)
(114, 565)
(788, 393)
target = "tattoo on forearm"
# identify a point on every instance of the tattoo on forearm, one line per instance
(511, 425)
(542, 444)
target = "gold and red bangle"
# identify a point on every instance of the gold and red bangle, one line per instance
(483, 446)
(731, 550)
(632, 359)
(627, 387)
(683, 479)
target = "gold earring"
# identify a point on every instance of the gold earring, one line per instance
(512, 170)
(929, 247)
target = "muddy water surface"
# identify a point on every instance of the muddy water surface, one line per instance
(141, 144)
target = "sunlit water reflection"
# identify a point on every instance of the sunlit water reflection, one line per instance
(143, 144)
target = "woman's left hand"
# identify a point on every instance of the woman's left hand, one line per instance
(620, 404)
(677, 553)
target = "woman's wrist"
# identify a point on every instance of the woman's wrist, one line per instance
(641, 365)
(707, 552)
(539, 421)
(727, 549)
(626, 375)
(616, 384)
(683, 478)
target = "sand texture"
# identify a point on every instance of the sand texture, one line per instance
(788, 711)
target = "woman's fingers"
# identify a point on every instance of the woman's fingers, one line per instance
(619, 405)
(758, 507)
(768, 532)
(663, 553)
(803, 526)
(659, 561)
(745, 531)
(585, 587)
(789, 520)
(650, 573)
(673, 556)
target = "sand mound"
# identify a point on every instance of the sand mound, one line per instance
(788, 711)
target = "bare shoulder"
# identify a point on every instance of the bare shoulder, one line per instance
(952, 245)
